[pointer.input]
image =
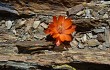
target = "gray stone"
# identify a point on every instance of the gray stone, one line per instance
(78, 39)
(2, 21)
(90, 35)
(74, 43)
(94, 37)
(100, 37)
(107, 37)
(39, 36)
(101, 47)
(14, 31)
(75, 9)
(36, 24)
(8, 24)
(80, 13)
(84, 38)
(108, 21)
(4, 7)
(95, 14)
(106, 2)
(88, 13)
(41, 30)
(19, 23)
(9, 50)
(81, 46)
(93, 42)
(98, 30)
(105, 15)
(44, 25)
(101, 12)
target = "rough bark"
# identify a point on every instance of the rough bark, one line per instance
(100, 57)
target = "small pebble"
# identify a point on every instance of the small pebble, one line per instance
(8, 24)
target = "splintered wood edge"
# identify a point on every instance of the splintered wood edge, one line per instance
(98, 57)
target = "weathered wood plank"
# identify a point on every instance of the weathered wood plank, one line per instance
(50, 57)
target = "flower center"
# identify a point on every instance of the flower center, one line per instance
(60, 29)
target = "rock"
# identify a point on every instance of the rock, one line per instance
(107, 36)
(44, 25)
(88, 13)
(39, 36)
(90, 35)
(108, 21)
(45, 18)
(26, 36)
(74, 43)
(86, 24)
(5, 8)
(81, 46)
(29, 24)
(80, 13)
(36, 5)
(95, 14)
(36, 24)
(14, 31)
(75, 9)
(84, 38)
(78, 39)
(64, 67)
(102, 11)
(93, 42)
(100, 37)
(101, 47)
(41, 30)
(105, 15)
(9, 50)
(8, 24)
(94, 37)
(98, 30)
(19, 23)
(1, 22)
(106, 2)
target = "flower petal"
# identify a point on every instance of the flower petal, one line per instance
(68, 37)
(47, 31)
(58, 42)
(64, 37)
(51, 29)
(51, 25)
(55, 35)
(69, 30)
(54, 19)
(54, 30)
(67, 23)
(61, 20)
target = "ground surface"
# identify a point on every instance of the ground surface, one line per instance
(22, 40)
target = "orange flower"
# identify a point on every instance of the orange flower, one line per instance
(61, 29)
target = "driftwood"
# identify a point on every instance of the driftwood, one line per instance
(51, 57)
(88, 24)
(28, 46)
(17, 65)
(5, 8)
